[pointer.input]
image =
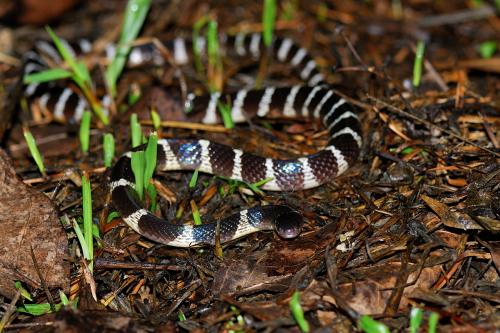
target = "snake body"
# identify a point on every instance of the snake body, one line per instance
(312, 100)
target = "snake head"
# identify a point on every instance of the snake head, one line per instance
(288, 224)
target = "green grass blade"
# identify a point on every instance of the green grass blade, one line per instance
(23, 291)
(298, 313)
(433, 322)
(85, 131)
(137, 163)
(81, 239)
(225, 111)
(213, 51)
(108, 149)
(487, 49)
(194, 179)
(81, 74)
(150, 158)
(87, 219)
(196, 213)
(268, 21)
(214, 57)
(416, 316)
(35, 153)
(37, 309)
(64, 299)
(155, 118)
(196, 47)
(135, 15)
(136, 132)
(418, 64)
(47, 75)
(370, 325)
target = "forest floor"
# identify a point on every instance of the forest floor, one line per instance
(410, 230)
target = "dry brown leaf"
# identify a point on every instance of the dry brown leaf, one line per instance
(28, 219)
(450, 218)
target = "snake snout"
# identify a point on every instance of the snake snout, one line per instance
(288, 225)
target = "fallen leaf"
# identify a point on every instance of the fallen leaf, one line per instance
(449, 217)
(28, 219)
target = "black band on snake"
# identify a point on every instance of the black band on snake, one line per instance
(314, 100)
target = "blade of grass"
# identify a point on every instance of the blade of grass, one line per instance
(225, 111)
(47, 75)
(108, 145)
(35, 153)
(87, 219)
(23, 291)
(85, 131)
(135, 15)
(416, 316)
(268, 21)
(137, 163)
(136, 132)
(150, 158)
(81, 239)
(196, 213)
(156, 120)
(370, 325)
(214, 72)
(417, 66)
(487, 49)
(80, 71)
(298, 313)
(433, 322)
(194, 179)
(198, 25)
(81, 75)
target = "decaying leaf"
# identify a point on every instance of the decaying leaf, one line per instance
(451, 218)
(28, 220)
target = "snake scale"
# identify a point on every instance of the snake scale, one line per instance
(314, 100)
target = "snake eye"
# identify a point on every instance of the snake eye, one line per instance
(288, 225)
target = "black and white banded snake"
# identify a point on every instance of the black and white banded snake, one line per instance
(312, 100)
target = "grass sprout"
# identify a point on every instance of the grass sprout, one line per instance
(196, 213)
(416, 316)
(143, 166)
(214, 70)
(487, 49)
(225, 111)
(108, 144)
(135, 15)
(85, 131)
(198, 25)
(80, 75)
(417, 66)
(194, 179)
(268, 21)
(433, 322)
(135, 131)
(35, 153)
(156, 120)
(88, 239)
(370, 325)
(298, 312)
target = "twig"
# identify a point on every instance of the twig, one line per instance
(430, 124)
(102, 264)
(458, 17)
(10, 310)
(42, 281)
(187, 125)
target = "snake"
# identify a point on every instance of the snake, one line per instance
(313, 100)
